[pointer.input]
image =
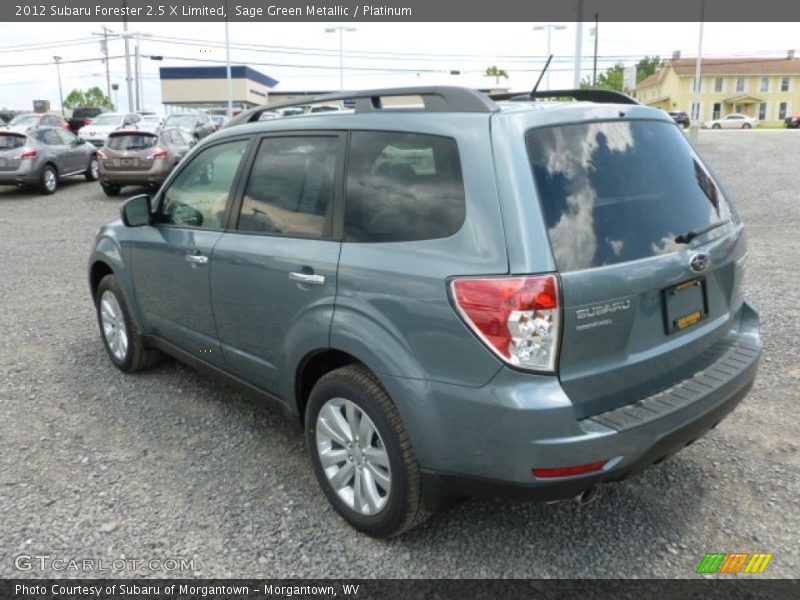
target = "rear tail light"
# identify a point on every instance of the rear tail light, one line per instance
(570, 471)
(101, 155)
(159, 153)
(86, 122)
(517, 317)
(28, 154)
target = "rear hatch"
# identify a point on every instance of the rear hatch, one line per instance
(648, 251)
(11, 148)
(130, 151)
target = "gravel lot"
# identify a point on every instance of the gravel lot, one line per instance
(165, 464)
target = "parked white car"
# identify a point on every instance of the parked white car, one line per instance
(97, 131)
(150, 122)
(732, 121)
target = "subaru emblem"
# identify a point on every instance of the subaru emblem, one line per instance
(699, 262)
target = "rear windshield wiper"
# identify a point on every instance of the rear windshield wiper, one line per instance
(687, 237)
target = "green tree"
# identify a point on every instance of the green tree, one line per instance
(91, 98)
(493, 71)
(612, 79)
(647, 66)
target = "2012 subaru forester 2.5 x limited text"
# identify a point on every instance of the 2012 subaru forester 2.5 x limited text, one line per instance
(471, 296)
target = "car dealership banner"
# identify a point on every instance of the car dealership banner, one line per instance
(398, 10)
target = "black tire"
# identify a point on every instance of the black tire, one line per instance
(48, 180)
(746, 126)
(93, 170)
(137, 357)
(111, 189)
(716, 126)
(404, 508)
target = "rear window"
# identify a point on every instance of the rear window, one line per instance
(402, 187)
(136, 141)
(9, 142)
(618, 191)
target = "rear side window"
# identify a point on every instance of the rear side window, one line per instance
(135, 141)
(618, 191)
(402, 187)
(291, 185)
(9, 142)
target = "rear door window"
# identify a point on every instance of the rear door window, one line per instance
(618, 191)
(291, 187)
(402, 187)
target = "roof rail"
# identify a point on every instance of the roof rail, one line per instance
(588, 95)
(435, 98)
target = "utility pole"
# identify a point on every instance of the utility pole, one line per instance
(108, 69)
(228, 64)
(549, 27)
(341, 31)
(596, 35)
(578, 44)
(57, 59)
(137, 66)
(695, 112)
(127, 59)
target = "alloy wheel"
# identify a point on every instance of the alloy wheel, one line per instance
(353, 456)
(114, 329)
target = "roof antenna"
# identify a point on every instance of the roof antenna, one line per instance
(532, 95)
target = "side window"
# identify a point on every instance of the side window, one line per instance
(199, 194)
(402, 187)
(290, 191)
(66, 137)
(49, 137)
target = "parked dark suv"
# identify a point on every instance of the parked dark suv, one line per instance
(464, 297)
(681, 118)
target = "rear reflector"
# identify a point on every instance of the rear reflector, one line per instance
(517, 317)
(570, 471)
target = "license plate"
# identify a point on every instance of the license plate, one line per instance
(685, 305)
(127, 162)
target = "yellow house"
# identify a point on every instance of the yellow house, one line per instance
(766, 88)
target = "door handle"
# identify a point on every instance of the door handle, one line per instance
(197, 259)
(307, 278)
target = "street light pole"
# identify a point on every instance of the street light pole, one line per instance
(596, 35)
(549, 27)
(57, 59)
(228, 66)
(341, 31)
(695, 118)
(127, 59)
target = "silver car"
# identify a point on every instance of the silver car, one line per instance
(43, 157)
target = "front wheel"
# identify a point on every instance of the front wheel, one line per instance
(716, 126)
(93, 170)
(746, 126)
(361, 453)
(122, 340)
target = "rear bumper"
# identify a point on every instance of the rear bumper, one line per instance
(25, 177)
(156, 177)
(486, 441)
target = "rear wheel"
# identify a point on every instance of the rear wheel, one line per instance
(111, 189)
(715, 126)
(93, 170)
(48, 180)
(361, 453)
(746, 126)
(122, 340)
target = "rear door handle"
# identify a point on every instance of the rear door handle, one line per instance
(307, 278)
(197, 259)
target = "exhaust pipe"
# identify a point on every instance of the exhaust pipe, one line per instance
(588, 495)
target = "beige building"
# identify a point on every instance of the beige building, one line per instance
(207, 87)
(766, 88)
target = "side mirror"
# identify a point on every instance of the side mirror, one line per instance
(135, 212)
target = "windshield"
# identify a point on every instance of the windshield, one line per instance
(136, 141)
(25, 120)
(110, 119)
(181, 120)
(619, 191)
